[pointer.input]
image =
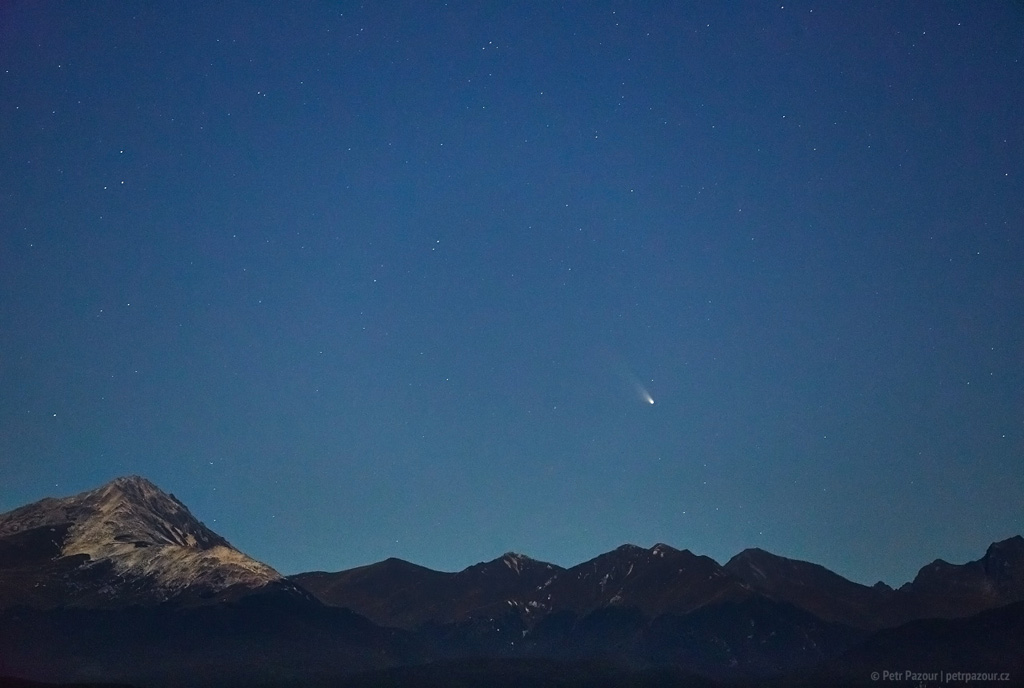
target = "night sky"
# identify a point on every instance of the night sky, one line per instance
(402, 278)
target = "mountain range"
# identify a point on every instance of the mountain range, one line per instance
(123, 584)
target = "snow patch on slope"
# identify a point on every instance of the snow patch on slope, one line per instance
(515, 561)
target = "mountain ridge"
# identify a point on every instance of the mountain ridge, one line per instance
(126, 569)
(127, 533)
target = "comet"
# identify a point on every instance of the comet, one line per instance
(629, 379)
(643, 393)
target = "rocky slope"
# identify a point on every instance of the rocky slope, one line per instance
(124, 542)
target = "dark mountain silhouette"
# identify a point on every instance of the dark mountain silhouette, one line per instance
(946, 590)
(989, 643)
(753, 637)
(940, 589)
(393, 592)
(814, 588)
(263, 638)
(397, 593)
(123, 584)
(658, 580)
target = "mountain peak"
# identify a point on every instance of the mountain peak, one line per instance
(133, 487)
(515, 561)
(628, 548)
(661, 549)
(1004, 565)
(755, 566)
(131, 512)
(128, 481)
(128, 532)
(1013, 545)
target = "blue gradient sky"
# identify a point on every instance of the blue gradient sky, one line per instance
(359, 281)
